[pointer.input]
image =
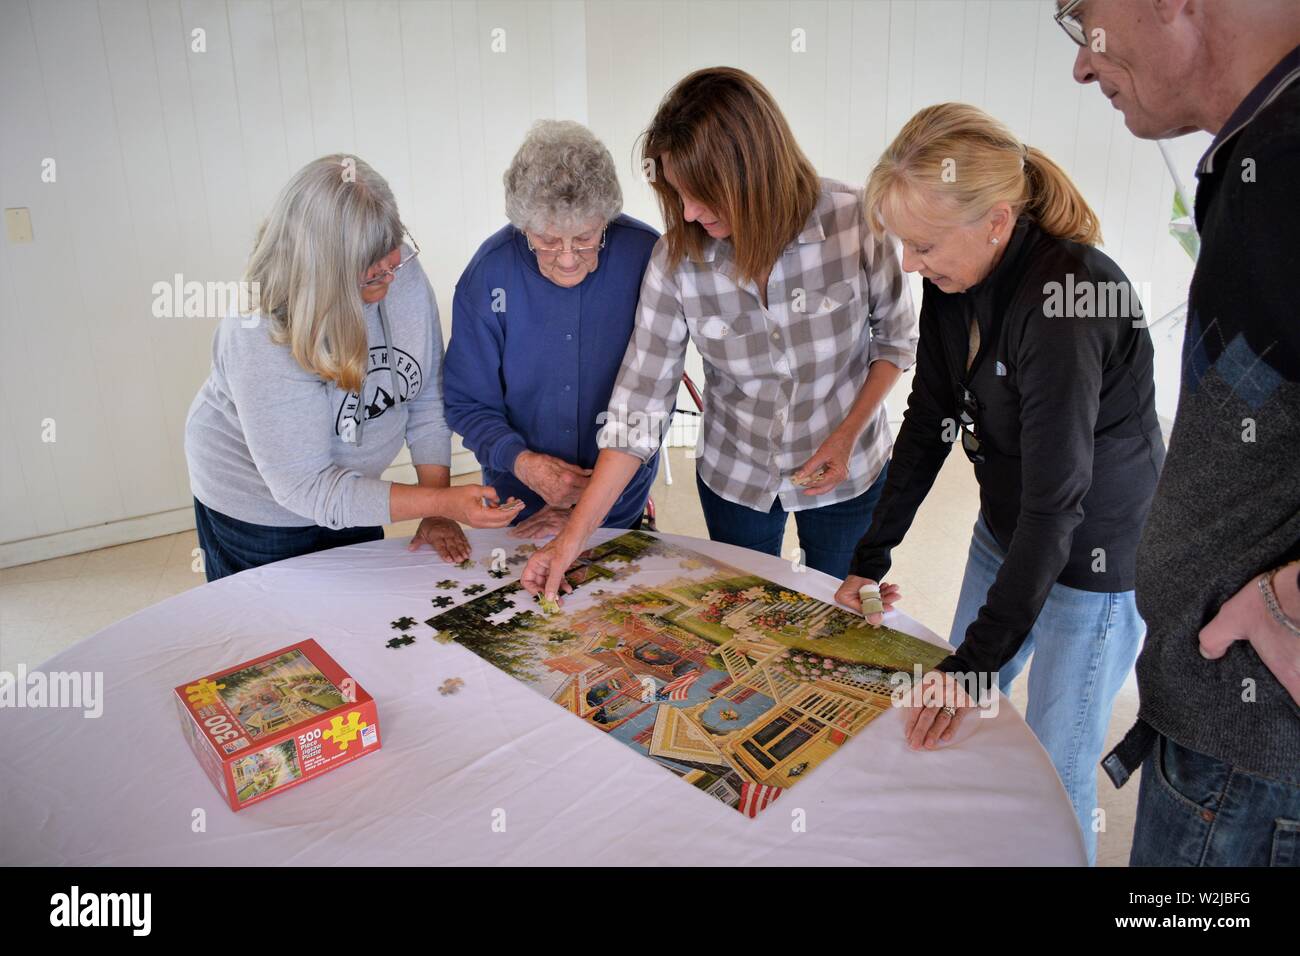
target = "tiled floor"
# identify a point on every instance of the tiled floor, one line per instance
(48, 606)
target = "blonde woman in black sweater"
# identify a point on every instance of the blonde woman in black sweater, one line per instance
(1034, 357)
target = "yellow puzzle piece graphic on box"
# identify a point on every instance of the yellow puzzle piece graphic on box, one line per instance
(204, 692)
(344, 732)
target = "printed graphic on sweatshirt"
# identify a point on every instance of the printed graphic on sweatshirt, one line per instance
(378, 386)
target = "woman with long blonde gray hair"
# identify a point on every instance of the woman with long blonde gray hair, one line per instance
(1034, 356)
(312, 395)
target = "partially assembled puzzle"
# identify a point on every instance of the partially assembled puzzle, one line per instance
(737, 685)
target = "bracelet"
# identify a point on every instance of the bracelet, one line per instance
(1270, 601)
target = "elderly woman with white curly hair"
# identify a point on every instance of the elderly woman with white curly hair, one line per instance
(540, 322)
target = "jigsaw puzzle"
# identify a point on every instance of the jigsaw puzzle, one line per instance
(737, 685)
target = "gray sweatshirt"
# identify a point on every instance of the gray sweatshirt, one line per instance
(267, 441)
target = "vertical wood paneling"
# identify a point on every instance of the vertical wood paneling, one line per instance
(169, 158)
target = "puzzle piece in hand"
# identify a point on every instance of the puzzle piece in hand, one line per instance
(401, 641)
(442, 600)
(446, 584)
(466, 565)
(525, 549)
(451, 685)
(403, 623)
(549, 604)
(474, 589)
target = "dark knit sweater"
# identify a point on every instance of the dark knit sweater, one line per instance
(1228, 503)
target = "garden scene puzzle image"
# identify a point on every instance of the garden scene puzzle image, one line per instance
(735, 684)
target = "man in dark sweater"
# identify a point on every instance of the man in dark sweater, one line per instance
(1218, 732)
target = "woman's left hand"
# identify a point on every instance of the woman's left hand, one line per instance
(834, 454)
(444, 536)
(543, 523)
(932, 721)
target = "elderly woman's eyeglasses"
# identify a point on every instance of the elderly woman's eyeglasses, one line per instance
(382, 277)
(557, 250)
(1069, 22)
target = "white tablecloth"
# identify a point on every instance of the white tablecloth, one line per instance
(123, 789)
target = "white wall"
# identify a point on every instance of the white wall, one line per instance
(167, 158)
(868, 67)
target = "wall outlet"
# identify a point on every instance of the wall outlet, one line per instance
(18, 224)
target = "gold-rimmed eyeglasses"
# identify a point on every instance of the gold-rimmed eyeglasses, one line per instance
(382, 277)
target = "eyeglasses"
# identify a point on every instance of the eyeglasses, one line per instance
(554, 252)
(1070, 22)
(966, 415)
(382, 277)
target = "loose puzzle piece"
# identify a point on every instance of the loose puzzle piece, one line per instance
(447, 584)
(343, 733)
(474, 589)
(498, 572)
(404, 623)
(814, 478)
(433, 623)
(401, 641)
(451, 685)
(442, 600)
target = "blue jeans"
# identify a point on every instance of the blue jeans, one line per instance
(230, 545)
(1084, 644)
(1197, 810)
(827, 535)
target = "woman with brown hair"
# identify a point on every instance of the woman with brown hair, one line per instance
(1033, 355)
(802, 317)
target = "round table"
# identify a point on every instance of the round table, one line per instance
(493, 774)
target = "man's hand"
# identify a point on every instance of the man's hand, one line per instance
(1245, 617)
(848, 596)
(444, 536)
(559, 483)
(542, 523)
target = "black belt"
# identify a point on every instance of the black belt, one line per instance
(1129, 753)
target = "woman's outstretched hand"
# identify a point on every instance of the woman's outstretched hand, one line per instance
(848, 596)
(544, 572)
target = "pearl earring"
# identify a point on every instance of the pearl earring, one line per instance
(994, 240)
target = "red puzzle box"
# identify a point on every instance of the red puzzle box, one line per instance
(271, 723)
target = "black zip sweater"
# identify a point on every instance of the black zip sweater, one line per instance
(1066, 422)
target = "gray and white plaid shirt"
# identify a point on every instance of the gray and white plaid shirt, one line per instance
(778, 379)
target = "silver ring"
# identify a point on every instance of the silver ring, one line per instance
(950, 711)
